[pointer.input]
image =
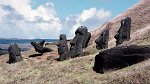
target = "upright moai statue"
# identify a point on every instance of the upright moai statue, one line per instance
(63, 47)
(79, 42)
(102, 41)
(14, 54)
(123, 33)
(128, 26)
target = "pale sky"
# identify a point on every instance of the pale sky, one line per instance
(50, 18)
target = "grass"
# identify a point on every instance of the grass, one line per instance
(73, 71)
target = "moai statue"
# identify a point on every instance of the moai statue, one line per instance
(87, 35)
(39, 48)
(76, 46)
(121, 56)
(102, 41)
(62, 47)
(14, 54)
(128, 26)
(42, 42)
(79, 42)
(124, 31)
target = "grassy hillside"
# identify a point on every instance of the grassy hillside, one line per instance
(73, 71)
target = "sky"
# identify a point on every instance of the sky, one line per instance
(47, 19)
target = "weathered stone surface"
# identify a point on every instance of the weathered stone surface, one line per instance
(62, 47)
(79, 42)
(14, 54)
(76, 48)
(124, 31)
(121, 56)
(82, 30)
(42, 42)
(102, 41)
(39, 48)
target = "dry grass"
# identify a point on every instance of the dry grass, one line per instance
(73, 71)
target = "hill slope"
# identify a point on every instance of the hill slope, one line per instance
(140, 15)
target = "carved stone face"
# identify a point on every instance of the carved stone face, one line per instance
(80, 41)
(102, 41)
(81, 30)
(62, 37)
(14, 53)
(123, 33)
(62, 44)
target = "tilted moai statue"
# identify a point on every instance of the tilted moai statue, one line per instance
(123, 33)
(14, 54)
(76, 45)
(39, 48)
(121, 56)
(102, 41)
(87, 35)
(79, 42)
(42, 42)
(62, 47)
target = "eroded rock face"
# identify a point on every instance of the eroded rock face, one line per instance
(121, 56)
(124, 31)
(63, 47)
(102, 41)
(79, 42)
(39, 48)
(14, 54)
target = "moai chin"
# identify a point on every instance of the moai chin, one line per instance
(14, 54)
(102, 41)
(123, 33)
